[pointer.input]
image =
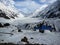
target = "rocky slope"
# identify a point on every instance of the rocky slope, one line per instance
(52, 11)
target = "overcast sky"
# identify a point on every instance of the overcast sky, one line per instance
(29, 6)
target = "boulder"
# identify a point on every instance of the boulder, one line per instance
(6, 24)
(1, 25)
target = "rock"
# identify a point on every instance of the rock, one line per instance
(42, 31)
(6, 24)
(12, 17)
(25, 39)
(31, 38)
(19, 30)
(2, 14)
(1, 25)
(12, 31)
(2, 40)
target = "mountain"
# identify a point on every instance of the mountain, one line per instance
(5, 12)
(38, 11)
(50, 15)
(7, 9)
(51, 11)
(8, 13)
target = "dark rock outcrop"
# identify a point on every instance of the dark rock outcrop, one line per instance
(25, 39)
(1, 25)
(6, 24)
(52, 11)
(2, 14)
(19, 30)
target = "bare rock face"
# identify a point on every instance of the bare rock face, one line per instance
(6, 24)
(8, 14)
(52, 11)
(2, 14)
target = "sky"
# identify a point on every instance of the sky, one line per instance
(29, 6)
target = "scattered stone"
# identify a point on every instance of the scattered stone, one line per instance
(2, 40)
(31, 38)
(19, 30)
(12, 34)
(12, 31)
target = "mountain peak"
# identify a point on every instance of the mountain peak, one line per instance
(51, 11)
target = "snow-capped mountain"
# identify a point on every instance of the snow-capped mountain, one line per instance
(51, 11)
(8, 10)
(50, 15)
(4, 12)
(8, 13)
(38, 11)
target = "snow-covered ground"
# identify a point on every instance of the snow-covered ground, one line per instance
(10, 34)
(50, 38)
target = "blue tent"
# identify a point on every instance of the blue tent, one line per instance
(43, 27)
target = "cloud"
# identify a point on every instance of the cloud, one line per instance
(8, 2)
(47, 1)
(43, 1)
(27, 6)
